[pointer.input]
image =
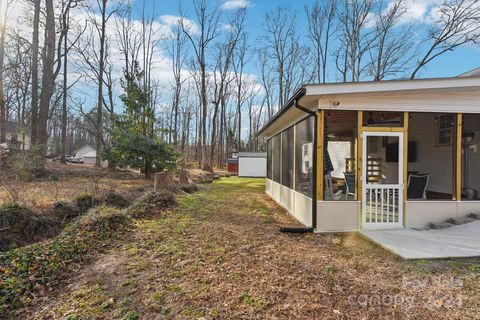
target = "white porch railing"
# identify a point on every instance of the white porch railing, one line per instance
(382, 206)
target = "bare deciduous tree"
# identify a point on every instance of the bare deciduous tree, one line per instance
(457, 24)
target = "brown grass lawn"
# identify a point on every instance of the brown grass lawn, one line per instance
(220, 255)
(63, 182)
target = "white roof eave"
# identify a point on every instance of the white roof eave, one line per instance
(394, 86)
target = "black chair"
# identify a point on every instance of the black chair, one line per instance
(417, 186)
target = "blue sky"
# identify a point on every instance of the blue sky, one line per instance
(450, 64)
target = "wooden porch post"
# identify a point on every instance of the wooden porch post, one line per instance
(320, 154)
(458, 158)
(358, 180)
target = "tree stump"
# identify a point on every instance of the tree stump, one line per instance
(162, 180)
(184, 177)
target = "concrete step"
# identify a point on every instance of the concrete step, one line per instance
(442, 225)
(475, 216)
(461, 220)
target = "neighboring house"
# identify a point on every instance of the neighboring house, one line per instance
(377, 155)
(87, 153)
(14, 133)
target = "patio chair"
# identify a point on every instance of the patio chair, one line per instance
(329, 195)
(350, 183)
(417, 186)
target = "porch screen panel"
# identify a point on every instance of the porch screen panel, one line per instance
(304, 132)
(269, 159)
(276, 158)
(287, 158)
(471, 157)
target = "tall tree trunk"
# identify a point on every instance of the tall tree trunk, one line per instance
(35, 43)
(47, 78)
(3, 111)
(64, 94)
(99, 122)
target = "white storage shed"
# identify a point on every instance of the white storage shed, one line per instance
(252, 164)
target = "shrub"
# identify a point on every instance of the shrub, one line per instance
(64, 211)
(21, 226)
(84, 201)
(101, 220)
(151, 203)
(114, 200)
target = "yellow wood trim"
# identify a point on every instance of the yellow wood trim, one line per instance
(458, 161)
(358, 175)
(320, 153)
(382, 129)
(406, 116)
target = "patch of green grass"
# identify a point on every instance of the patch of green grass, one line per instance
(158, 296)
(131, 315)
(330, 269)
(251, 301)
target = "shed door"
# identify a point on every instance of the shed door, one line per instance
(382, 180)
(252, 167)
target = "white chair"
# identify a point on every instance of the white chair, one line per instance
(329, 195)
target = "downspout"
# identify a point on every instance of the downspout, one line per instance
(314, 185)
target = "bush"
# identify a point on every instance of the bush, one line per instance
(21, 226)
(27, 164)
(84, 201)
(64, 212)
(151, 203)
(114, 200)
(101, 220)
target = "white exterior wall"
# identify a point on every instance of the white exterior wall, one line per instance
(252, 167)
(419, 214)
(297, 204)
(338, 216)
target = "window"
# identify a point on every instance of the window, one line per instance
(304, 131)
(269, 159)
(287, 158)
(276, 157)
(445, 123)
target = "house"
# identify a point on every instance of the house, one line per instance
(87, 154)
(14, 133)
(377, 155)
(252, 164)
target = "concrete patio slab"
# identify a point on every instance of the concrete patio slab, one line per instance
(455, 242)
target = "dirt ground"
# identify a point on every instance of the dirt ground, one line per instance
(220, 255)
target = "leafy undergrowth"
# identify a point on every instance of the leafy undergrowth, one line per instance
(32, 270)
(21, 225)
(219, 255)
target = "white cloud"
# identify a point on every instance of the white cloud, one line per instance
(235, 4)
(171, 21)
